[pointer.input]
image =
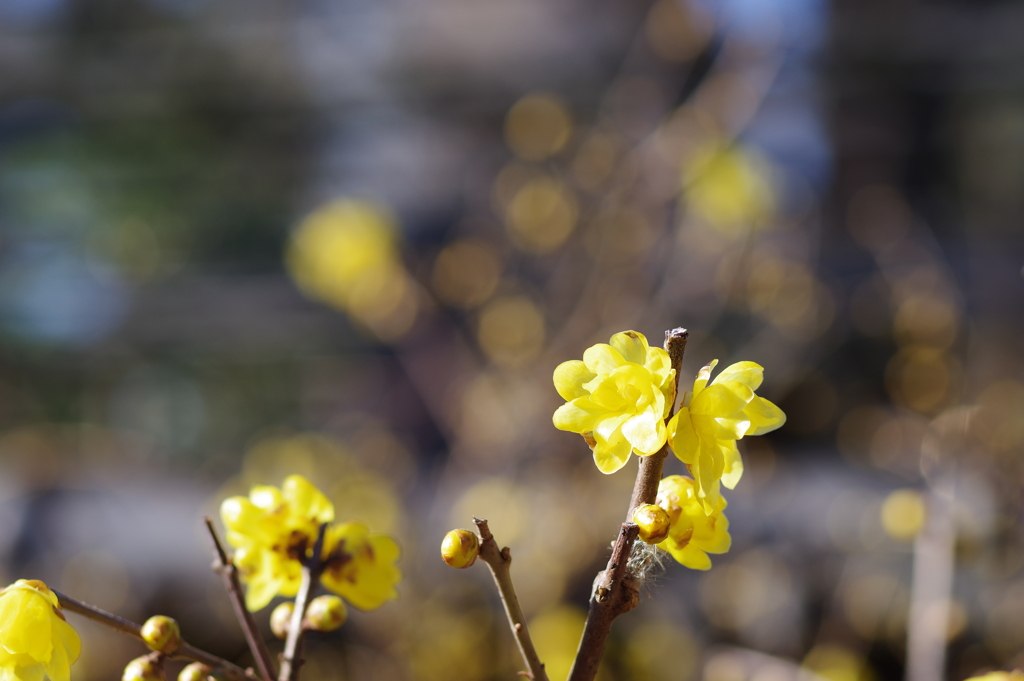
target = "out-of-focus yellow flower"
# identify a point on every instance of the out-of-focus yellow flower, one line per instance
(35, 640)
(346, 254)
(693, 533)
(729, 187)
(712, 417)
(617, 398)
(361, 566)
(272, 531)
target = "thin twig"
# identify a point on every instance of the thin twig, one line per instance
(648, 477)
(223, 565)
(499, 562)
(311, 570)
(615, 590)
(185, 651)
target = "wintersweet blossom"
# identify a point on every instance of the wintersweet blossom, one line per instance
(693, 532)
(617, 397)
(360, 566)
(35, 639)
(712, 417)
(274, 532)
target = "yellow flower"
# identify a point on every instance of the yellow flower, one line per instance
(703, 433)
(693, 533)
(273, 530)
(360, 566)
(35, 640)
(617, 398)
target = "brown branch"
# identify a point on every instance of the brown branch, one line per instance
(499, 562)
(185, 651)
(311, 570)
(223, 565)
(645, 489)
(615, 590)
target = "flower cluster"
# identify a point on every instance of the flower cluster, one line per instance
(274, 532)
(619, 398)
(35, 639)
(712, 417)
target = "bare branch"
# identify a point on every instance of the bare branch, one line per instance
(185, 651)
(223, 565)
(311, 570)
(499, 562)
(615, 590)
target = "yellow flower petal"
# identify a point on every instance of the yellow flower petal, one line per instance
(602, 359)
(764, 416)
(307, 501)
(569, 379)
(722, 400)
(631, 346)
(703, 376)
(682, 437)
(611, 454)
(578, 416)
(645, 432)
(749, 374)
(733, 469)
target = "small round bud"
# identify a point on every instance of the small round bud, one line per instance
(654, 523)
(460, 548)
(161, 634)
(143, 668)
(281, 619)
(326, 613)
(197, 671)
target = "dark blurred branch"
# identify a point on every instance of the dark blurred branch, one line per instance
(185, 651)
(223, 565)
(499, 562)
(311, 570)
(616, 592)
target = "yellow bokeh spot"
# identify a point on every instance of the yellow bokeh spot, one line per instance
(501, 502)
(903, 514)
(541, 215)
(537, 126)
(466, 273)
(345, 254)
(926, 319)
(556, 634)
(837, 663)
(645, 650)
(922, 378)
(511, 331)
(729, 188)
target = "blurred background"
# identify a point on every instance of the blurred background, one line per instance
(246, 238)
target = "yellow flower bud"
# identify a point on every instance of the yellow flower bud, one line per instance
(197, 671)
(161, 634)
(144, 668)
(654, 523)
(281, 619)
(326, 613)
(460, 548)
